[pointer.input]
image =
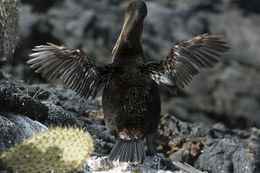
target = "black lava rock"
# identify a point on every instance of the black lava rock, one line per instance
(59, 117)
(211, 148)
(14, 128)
(14, 100)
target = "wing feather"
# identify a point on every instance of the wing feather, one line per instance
(74, 67)
(181, 63)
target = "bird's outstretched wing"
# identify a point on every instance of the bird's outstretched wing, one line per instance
(74, 67)
(181, 64)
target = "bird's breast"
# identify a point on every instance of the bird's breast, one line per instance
(130, 94)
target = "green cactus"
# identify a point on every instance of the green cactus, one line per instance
(8, 28)
(58, 150)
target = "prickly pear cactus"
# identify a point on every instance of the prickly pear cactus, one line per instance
(60, 150)
(8, 28)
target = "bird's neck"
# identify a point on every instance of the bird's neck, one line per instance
(129, 44)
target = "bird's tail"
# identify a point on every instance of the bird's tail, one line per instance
(128, 151)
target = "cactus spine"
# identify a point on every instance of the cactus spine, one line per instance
(60, 150)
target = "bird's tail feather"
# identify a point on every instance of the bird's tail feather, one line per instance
(128, 151)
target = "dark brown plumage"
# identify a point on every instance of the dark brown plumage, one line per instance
(131, 101)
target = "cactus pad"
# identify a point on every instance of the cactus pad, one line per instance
(58, 150)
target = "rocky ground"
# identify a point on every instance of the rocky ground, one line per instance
(24, 113)
(217, 101)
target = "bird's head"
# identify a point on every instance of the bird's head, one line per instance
(130, 37)
(136, 11)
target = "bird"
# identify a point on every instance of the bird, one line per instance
(131, 100)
